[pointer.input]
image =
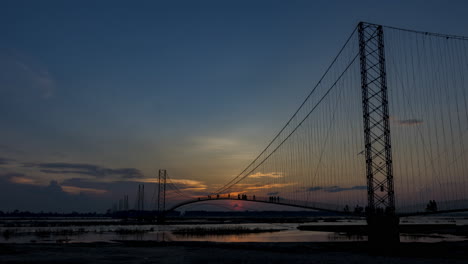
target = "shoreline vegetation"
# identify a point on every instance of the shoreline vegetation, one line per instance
(219, 231)
(42, 233)
(189, 231)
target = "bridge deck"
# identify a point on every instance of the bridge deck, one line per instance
(305, 205)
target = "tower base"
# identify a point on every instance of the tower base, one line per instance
(383, 230)
(160, 219)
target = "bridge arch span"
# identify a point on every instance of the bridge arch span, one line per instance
(289, 203)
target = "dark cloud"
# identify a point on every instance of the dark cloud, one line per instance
(313, 189)
(273, 193)
(86, 169)
(79, 182)
(4, 161)
(124, 186)
(116, 188)
(51, 198)
(83, 172)
(54, 187)
(333, 189)
(9, 175)
(409, 122)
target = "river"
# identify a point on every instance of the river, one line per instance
(21, 231)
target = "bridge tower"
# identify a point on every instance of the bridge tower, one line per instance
(161, 195)
(381, 218)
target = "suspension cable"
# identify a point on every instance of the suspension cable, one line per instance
(222, 189)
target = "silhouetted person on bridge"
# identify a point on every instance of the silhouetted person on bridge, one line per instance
(346, 209)
(254, 197)
(431, 206)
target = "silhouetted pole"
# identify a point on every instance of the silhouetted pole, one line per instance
(138, 198)
(162, 176)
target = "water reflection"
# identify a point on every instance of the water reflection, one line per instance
(430, 238)
(346, 237)
(103, 233)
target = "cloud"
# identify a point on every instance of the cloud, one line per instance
(10, 174)
(313, 189)
(4, 161)
(18, 178)
(54, 186)
(267, 175)
(86, 169)
(269, 186)
(409, 122)
(189, 183)
(52, 197)
(333, 189)
(183, 184)
(78, 190)
(273, 193)
(116, 189)
(22, 180)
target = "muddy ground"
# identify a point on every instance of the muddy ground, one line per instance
(236, 253)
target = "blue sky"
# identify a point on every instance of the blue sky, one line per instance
(195, 87)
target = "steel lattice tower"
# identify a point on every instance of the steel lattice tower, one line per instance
(378, 151)
(162, 191)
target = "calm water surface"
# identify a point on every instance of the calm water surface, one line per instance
(288, 233)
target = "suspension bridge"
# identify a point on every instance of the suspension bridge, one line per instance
(383, 133)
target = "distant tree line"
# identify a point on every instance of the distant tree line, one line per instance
(17, 213)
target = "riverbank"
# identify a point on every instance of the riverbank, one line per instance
(236, 253)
